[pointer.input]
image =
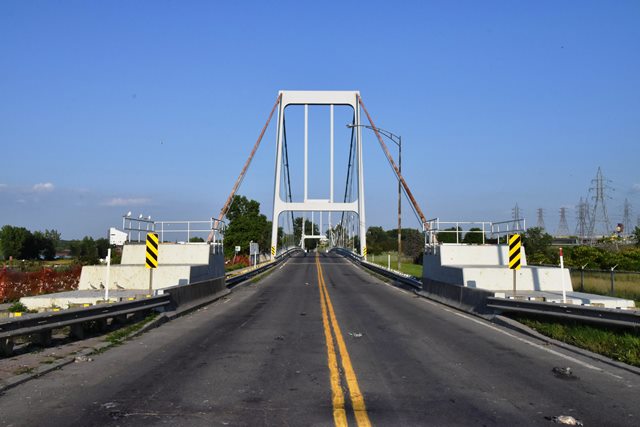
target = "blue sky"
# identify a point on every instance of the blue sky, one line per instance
(154, 106)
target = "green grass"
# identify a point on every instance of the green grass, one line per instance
(406, 264)
(618, 344)
(24, 370)
(116, 337)
(626, 285)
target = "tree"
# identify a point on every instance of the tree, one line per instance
(474, 236)
(44, 246)
(87, 251)
(196, 239)
(102, 244)
(636, 235)
(17, 242)
(412, 242)
(537, 244)
(448, 235)
(297, 232)
(246, 224)
(53, 236)
(377, 240)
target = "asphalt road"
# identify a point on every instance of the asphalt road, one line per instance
(327, 345)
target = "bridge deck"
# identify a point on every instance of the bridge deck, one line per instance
(260, 357)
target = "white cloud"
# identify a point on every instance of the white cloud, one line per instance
(43, 187)
(120, 201)
(635, 188)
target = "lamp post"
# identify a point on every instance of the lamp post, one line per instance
(396, 139)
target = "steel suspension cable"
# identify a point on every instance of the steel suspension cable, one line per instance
(238, 182)
(286, 162)
(347, 193)
(407, 191)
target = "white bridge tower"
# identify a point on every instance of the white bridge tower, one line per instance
(331, 99)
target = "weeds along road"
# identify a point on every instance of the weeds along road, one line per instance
(320, 342)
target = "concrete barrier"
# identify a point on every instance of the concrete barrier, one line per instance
(467, 299)
(184, 295)
(486, 267)
(178, 265)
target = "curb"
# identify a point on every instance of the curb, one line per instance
(519, 327)
(59, 364)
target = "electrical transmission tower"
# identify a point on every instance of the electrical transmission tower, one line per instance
(582, 220)
(599, 225)
(626, 218)
(517, 217)
(563, 227)
(540, 223)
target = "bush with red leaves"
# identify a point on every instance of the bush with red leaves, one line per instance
(17, 284)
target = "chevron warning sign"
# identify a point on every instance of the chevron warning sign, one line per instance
(152, 251)
(515, 242)
(273, 250)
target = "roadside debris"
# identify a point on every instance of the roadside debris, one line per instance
(564, 373)
(80, 359)
(279, 338)
(355, 334)
(566, 420)
(303, 313)
(109, 405)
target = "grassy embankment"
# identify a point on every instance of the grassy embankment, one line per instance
(627, 285)
(618, 344)
(406, 263)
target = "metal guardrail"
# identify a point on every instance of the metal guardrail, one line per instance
(233, 281)
(608, 316)
(391, 274)
(604, 316)
(44, 323)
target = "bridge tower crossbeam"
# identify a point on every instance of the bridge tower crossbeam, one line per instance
(331, 99)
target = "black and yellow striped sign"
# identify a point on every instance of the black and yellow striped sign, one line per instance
(152, 251)
(273, 250)
(515, 242)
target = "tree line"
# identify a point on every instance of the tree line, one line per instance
(20, 243)
(603, 256)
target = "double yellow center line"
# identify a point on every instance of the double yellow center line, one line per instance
(330, 324)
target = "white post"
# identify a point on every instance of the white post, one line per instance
(331, 167)
(306, 148)
(106, 285)
(277, 177)
(564, 292)
(361, 216)
(389, 261)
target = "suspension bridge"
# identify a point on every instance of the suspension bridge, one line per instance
(321, 341)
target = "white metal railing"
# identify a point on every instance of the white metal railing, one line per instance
(176, 230)
(191, 229)
(434, 226)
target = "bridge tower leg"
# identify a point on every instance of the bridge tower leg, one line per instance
(306, 98)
